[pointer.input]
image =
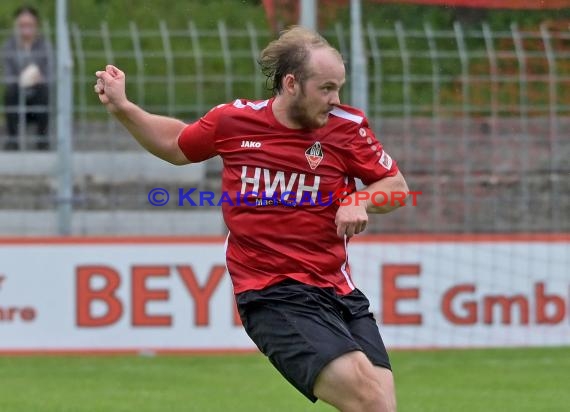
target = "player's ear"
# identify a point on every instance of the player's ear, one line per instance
(290, 84)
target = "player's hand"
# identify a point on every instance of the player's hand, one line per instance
(351, 219)
(110, 87)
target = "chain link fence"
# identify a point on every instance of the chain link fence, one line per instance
(478, 121)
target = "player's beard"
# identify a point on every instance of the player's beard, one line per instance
(300, 112)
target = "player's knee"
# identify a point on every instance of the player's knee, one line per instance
(368, 394)
(353, 384)
(388, 393)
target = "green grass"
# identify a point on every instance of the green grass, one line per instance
(467, 381)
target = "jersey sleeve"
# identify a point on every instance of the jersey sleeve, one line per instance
(367, 159)
(198, 140)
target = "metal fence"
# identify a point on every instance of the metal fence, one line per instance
(476, 118)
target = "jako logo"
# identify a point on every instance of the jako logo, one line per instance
(250, 143)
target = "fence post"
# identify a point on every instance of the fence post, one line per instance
(64, 116)
(309, 14)
(359, 74)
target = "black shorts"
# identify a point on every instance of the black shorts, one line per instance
(302, 328)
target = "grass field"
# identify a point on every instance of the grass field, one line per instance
(462, 380)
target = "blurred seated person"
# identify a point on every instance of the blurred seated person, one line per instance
(27, 59)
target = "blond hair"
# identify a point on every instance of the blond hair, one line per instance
(289, 54)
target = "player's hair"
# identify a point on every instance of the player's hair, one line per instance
(27, 10)
(289, 54)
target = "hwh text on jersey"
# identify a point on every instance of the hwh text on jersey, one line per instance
(294, 183)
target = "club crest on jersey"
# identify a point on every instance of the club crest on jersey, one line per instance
(314, 155)
(385, 160)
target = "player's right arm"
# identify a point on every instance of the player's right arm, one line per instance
(157, 134)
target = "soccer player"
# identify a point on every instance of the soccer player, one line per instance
(287, 255)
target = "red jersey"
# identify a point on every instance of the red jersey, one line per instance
(279, 187)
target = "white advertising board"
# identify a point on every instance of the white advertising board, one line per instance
(116, 295)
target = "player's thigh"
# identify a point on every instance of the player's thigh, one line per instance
(295, 327)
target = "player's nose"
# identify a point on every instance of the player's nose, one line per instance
(335, 99)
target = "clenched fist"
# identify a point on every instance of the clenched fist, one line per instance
(110, 87)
